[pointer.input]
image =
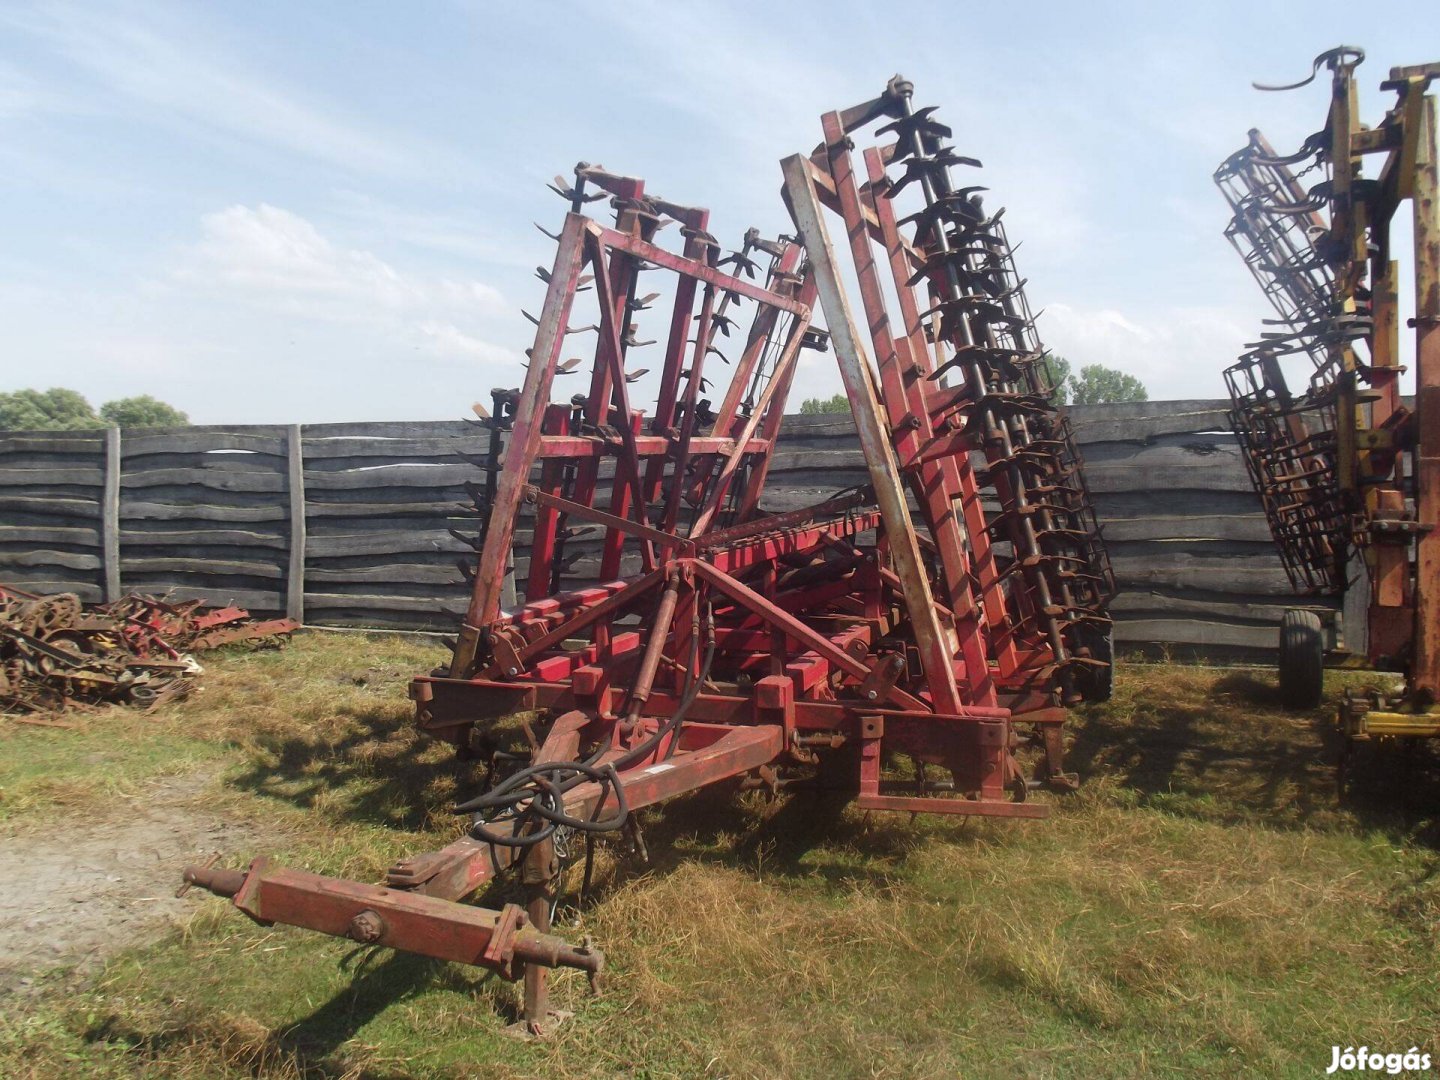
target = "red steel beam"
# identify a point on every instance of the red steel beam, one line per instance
(642, 249)
(394, 918)
(524, 441)
(874, 437)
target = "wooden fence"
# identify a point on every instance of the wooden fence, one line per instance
(349, 524)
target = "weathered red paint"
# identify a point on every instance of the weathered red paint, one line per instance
(724, 641)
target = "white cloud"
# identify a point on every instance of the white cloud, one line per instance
(450, 340)
(691, 46)
(276, 260)
(1178, 352)
(473, 237)
(20, 95)
(170, 72)
(148, 358)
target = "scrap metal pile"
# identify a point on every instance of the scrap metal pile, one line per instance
(940, 618)
(56, 653)
(1342, 464)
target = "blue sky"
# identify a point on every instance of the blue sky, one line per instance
(279, 212)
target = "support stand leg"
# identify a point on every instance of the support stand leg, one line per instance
(541, 878)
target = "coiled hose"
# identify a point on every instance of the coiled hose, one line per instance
(536, 794)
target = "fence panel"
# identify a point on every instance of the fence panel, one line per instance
(355, 524)
(52, 487)
(202, 515)
(381, 501)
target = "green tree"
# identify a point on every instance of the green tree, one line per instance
(1097, 384)
(141, 412)
(56, 409)
(1057, 368)
(815, 406)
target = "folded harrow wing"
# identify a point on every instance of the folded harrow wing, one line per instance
(672, 632)
(1341, 464)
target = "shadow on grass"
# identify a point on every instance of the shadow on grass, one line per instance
(376, 987)
(1219, 748)
(803, 835)
(1215, 746)
(380, 770)
(1226, 749)
(310, 1045)
(1396, 783)
(1264, 693)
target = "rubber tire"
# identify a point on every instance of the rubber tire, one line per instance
(1302, 659)
(1097, 684)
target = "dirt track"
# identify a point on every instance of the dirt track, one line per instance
(75, 890)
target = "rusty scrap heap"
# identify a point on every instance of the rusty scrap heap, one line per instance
(943, 616)
(56, 653)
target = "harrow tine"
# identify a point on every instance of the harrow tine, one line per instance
(918, 127)
(629, 339)
(472, 542)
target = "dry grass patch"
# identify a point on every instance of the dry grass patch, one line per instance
(1206, 902)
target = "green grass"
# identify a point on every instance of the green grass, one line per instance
(1205, 903)
(41, 769)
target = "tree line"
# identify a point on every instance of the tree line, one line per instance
(58, 409)
(1093, 384)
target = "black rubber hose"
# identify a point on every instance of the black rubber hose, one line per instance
(547, 803)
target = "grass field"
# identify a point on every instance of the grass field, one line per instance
(1204, 903)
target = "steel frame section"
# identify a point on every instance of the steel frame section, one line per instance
(722, 640)
(1044, 610)
(1342, 465)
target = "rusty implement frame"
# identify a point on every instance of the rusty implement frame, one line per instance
(964, 396)
(670, 627)
(1343, 467)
